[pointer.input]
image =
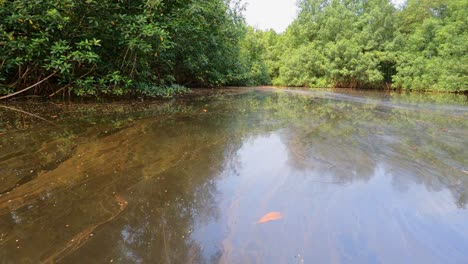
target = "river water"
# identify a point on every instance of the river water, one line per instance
(351, 176)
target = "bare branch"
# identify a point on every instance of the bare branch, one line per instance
(27, 113)
(27, 88)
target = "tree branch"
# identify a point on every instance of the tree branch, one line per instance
(27, 113)
(27, 88)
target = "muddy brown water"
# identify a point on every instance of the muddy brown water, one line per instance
(358, 177)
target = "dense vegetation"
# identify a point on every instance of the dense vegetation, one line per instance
(368, 44)
(156, 47)
(118, 47)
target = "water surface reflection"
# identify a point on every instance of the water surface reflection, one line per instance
(358, 178)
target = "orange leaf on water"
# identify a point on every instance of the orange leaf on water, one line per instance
(271, 216)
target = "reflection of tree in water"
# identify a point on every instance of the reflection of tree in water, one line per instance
(161, 168)
(347, 139)
(313, 130)
(164, 164)
(33, 145)
(163, 207)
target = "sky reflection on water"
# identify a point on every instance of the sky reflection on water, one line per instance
(359, 177)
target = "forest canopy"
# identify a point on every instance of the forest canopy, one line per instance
(157, 47)
(118, 47)
(369, 44)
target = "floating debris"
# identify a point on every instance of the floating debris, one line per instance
(272, 216)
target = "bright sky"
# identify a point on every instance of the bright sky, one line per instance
(275, 14)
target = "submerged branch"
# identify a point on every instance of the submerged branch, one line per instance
(82, 237)
(27, 113)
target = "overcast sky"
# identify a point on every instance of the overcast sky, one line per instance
(275, 14)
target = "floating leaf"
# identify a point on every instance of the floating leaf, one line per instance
(271, 216)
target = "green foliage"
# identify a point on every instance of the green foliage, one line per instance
(253, 59)
(94, 48)
(432, 46)
(338, 43)
(166, 91)
(117, 47)
(371, 44)
(205, 37)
